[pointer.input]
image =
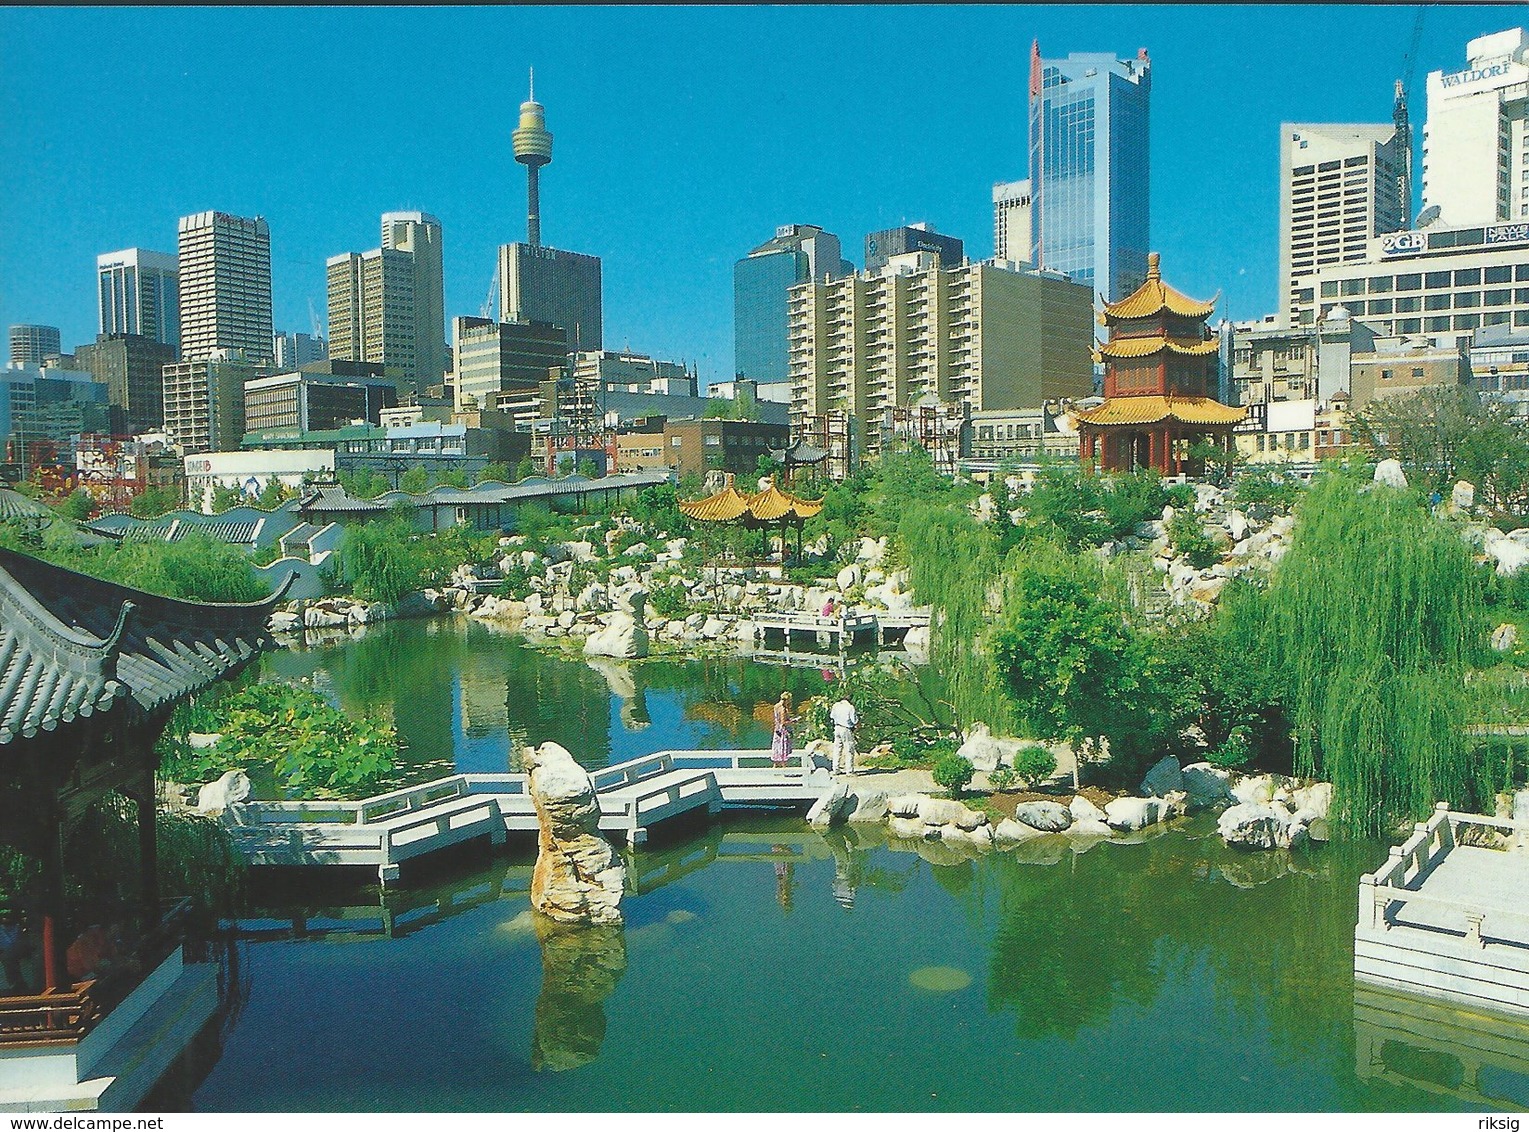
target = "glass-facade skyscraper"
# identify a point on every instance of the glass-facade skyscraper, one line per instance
(799, 253)
(1089, 168)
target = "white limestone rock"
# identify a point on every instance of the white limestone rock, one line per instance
(849, 576)
(1462, 497)
(980, 748)
(1131, 814)
(1083, 810)
(947, 811)
(577, 878)
(1255, 788)
(829, 807)
(233, 787)
(1504, 637)
(1389, 472)
(905, 805)
(1253, 825)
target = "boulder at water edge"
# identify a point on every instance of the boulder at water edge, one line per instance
(1131, 814)
(1206, 785)
(1048, 817)
(1164, 776)
(233, 787)
(1253, 825)
(577, 879)
(829, 807)
(624, 636)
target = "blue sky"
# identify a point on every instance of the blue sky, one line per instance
(683, 136)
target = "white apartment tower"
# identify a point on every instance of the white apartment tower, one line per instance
(1340, 186)
(372, 312)
(225, 285)
(1476, 141)
(1011, 221)
(137, 292)
(419, 234)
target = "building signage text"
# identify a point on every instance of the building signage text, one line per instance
(1507, 233)
(1402, 243)
(1497, 70)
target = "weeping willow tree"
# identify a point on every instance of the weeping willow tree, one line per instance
(1370, 624)
(953, 566)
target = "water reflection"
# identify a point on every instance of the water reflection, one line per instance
(581, 965)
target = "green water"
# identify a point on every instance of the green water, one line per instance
(766, 967)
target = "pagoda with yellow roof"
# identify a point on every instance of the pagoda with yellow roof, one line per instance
(1159, 369)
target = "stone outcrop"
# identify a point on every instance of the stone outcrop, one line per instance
(1389, 472)
(1048, 817)
(1164, 776)
(624, 636)
(232, 788)
(985, 751)
(1255, 825)
(577, 879)
(1206, 785)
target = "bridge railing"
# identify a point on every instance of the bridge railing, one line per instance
(632, 771)
(1413, 859)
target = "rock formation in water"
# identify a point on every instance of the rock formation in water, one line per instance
(577, 879)
(580, 969)
(625, 635)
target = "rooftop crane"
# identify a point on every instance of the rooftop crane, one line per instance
(1400, 117)
(487, 309)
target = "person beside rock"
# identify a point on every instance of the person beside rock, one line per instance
(845, 720)
(780, 738)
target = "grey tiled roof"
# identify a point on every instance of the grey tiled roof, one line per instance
(72, 645)
(14, 505)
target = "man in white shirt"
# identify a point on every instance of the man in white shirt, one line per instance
(845, 720)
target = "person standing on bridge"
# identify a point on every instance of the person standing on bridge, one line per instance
(780, 740)
(845, 720)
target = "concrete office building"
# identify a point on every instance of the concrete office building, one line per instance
(372, 312)
(419, 234)
(1406, 364)
(1011, 221)
(204, 400)
(32, 344)
(291, 350)
(880, 247)
(132, 367)
(1340, 187)
(322, 395)
(224, 286)
(609, 370)
(1273, 363)
(981, 335)
(1500, 363)
(540, 284)
(501, 365)
(138, 292)
(799, 253)
(1476, 140)
(47, 403)
(1436, 281)
(1090, 166)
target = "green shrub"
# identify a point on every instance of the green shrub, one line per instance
(954, 772)
(1004, 778)
(1034, 763)
(668, 601)
(1188, 537)
(1234, 751)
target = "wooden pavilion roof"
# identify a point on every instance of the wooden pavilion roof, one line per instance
(1152, 408)
(72, 646)
(768, 506)
(1154, 296)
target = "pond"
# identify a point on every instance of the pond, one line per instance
(768, 967)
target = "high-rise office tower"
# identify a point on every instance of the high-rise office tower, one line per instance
(204, 400)
(137, 292)
(799, 253)
(30, 343)
(1090, 166)
(132, 368)
(225, 285)
(1011, 221)
(948, 251)
(1339, 186)
(1476, 141)
(540, 284)
(419, 234)
(372, 313)
(290, 350)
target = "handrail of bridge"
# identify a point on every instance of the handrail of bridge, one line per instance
(631, 772)
(799, 619)
(1414, 858)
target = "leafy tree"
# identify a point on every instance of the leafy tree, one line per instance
(197, 567)
(377, 561)
(495, 471)
(224, 498)
(587, 468)
(1220, 463)
(273, 494)
(954, 772)
(452, 477)
(528, 467)
(765, 466)
(1449, 433)
(1187, 535)
(153, 501)
(78, 506)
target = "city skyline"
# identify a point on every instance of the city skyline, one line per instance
(669, 178)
